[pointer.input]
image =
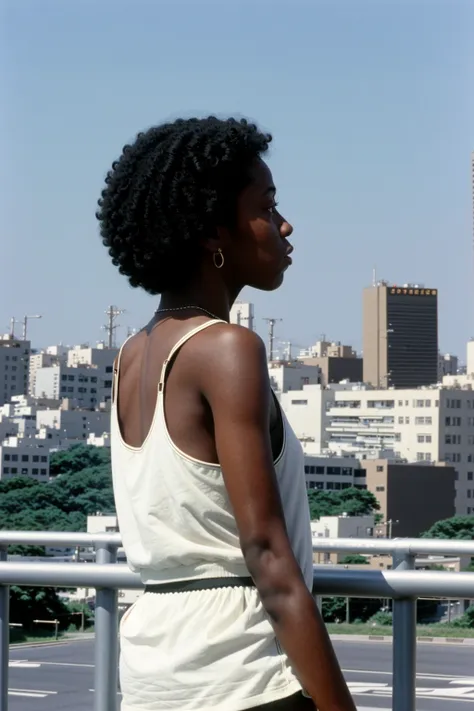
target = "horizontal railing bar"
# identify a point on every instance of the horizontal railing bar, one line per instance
(328, 581)
(412, 546)
(60, 539)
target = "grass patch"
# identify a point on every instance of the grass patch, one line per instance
(443, 630)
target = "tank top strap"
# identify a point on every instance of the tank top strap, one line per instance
(180, 344)
(115, 374)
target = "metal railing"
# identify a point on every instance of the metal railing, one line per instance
(403, 584)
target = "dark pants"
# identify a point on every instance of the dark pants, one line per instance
(296, 702)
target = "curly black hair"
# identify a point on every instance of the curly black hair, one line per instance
(170, 190)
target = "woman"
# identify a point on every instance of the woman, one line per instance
(208, 475)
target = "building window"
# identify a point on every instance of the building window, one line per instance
(6, 457)
(420, 456)
(24, 458)
(407, 420)
(35, 458)
(43, 471)
(35, 470)
(108, 369)
(24, 472)
(334, 471)
(14, 457)
(320, 470)
(14, 470)
(379, 468)
(469, 476)
(293, 402)
(45, 459)
(6, 470)
(378, 488)
(469, 493)
(401, 420)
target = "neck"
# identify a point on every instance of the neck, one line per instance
(218, 301)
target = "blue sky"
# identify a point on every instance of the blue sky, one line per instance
(371, 104)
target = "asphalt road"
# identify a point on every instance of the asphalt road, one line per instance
(60, 677)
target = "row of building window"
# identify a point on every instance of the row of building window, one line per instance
(327, 485)
(24, 458)
(24, 472)
(334, 471)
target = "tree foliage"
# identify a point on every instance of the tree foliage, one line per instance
(354, 502)
(354, 559)
(82, 486)
(458, 527)
(63, 503)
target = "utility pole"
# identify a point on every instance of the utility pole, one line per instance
(13, 321)
(25, 324)
(111, 325)
(271, 335)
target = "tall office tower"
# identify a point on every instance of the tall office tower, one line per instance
(400, 336)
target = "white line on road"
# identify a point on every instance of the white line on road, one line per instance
(36, 691)
(427, 675)
(65, 664)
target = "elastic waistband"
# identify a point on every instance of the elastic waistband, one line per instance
(202, 584)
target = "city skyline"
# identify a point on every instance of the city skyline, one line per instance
(373, 120)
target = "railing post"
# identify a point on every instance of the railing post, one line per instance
(404, 642)
(106, 639)
(4, 636)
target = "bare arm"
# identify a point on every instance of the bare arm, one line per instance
(236, 385)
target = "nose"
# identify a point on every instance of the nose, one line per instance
(286, 229)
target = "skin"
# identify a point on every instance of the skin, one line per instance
(217, 397)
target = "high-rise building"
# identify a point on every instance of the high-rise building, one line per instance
(400, 336)
(14, 364)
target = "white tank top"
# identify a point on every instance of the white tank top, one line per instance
(173, 510)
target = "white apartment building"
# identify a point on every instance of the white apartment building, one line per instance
(327, 349)
(23, 457)
(85, 379)
(242, 314)
(53, 355)
(306, 410)
(74, 424)
(285, 377)
(14, 365)
(418, 425)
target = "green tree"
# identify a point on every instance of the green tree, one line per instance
(82, 486)
(354, 559)
(78, 458)
(354, 502)
(457, 527)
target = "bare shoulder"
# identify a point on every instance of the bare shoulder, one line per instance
(230, 348)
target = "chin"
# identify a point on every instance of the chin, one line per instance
(269, 284)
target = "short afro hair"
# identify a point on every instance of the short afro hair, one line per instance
(169, 191)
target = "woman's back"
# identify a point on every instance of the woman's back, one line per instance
(174, 512)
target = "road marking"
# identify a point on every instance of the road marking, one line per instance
(427, 675)
(64, 664)
(462, 693)
(31, 693)
(36, 691)
(23, 664)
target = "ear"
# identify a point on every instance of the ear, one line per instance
(220, 240)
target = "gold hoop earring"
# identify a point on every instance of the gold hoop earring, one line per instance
(218, 256)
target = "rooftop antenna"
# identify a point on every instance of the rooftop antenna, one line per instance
(13, 321)
(271, 335)
(25, 324)
(111, 326)
(374, 276)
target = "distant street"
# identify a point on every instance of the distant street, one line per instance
(61, 677)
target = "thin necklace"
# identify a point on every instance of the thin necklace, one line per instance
(186, 308)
